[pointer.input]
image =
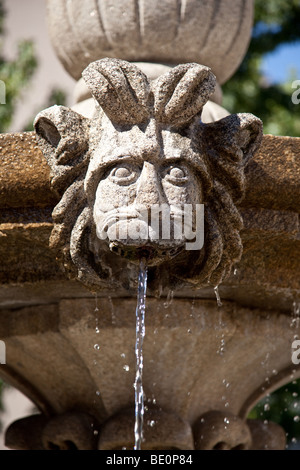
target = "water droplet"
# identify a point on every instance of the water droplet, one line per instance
(123, 355)
(169, 299)
(216, 289)
(189, 330)
(126, 367)
(227, 384)
(295, 315)
(96, 432)
(295, 394)
(96, 346)
(97, 329)
(235, 271)
(113, 315)
(151, 423)
(266, 407)
(226, 404)
(226, 420)
(98, 393)
(297, 419)
(221, 349)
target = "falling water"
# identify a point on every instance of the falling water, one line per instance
(217, 294)
(140, 334)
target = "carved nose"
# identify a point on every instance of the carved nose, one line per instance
(149, 189)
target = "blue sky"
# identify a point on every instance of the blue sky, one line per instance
(277, 65)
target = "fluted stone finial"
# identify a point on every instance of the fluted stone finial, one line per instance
(215, 33)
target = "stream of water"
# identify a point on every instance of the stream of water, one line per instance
(140, 334)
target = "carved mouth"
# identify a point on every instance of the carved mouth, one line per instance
(153, 254)
(116, 227)
(131, 237)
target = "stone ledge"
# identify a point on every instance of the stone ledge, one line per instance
(24, 173)
(272, 177)
(267, 276)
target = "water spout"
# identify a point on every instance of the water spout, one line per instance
(140, 334)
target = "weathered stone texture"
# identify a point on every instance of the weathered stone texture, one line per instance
(214, 33)
(51, 348)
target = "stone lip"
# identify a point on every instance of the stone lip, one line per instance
(215, 33)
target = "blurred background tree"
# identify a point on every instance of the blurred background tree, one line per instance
(276, 22)
(17, 75)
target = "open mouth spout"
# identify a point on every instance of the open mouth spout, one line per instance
(152, 253)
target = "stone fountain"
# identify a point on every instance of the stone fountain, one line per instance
(148, 145)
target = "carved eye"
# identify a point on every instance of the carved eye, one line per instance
(176, 174)
(124, 174)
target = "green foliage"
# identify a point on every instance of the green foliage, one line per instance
(16, 74)
(283, 408)
(276, 22)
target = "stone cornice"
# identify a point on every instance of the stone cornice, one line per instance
(272, 176)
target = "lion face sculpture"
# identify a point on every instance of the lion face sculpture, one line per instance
(127, 175)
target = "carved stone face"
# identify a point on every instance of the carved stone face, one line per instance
(142, 185)
(126, 176)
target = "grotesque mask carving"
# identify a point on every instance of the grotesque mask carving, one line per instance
(132, 177)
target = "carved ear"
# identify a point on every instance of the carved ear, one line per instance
(121, 89)
(62, 135)
(230, 143)
(181, 93)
